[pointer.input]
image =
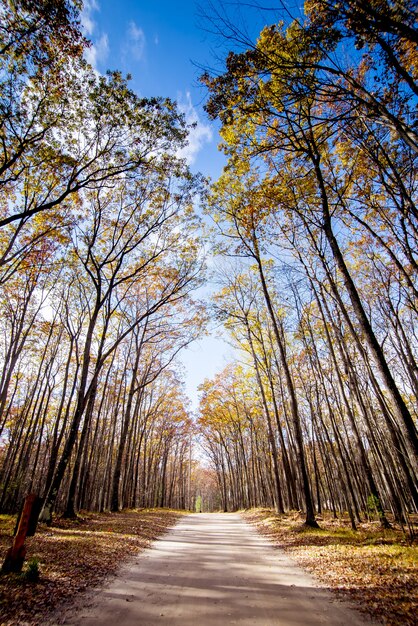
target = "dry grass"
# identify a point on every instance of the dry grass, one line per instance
(73, 557)
(375, 568)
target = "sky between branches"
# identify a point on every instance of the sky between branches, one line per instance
(165, 46)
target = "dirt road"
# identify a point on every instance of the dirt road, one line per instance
(211, 570)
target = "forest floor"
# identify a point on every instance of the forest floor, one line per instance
(73, 556)
(375, 568)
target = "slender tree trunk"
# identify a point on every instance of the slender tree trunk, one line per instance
(272, 440)
(126, 422)
(310, 513)
(399, 405)
(71, 508)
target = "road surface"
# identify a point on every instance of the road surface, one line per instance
(213, 570)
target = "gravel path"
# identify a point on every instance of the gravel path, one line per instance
(213, 570)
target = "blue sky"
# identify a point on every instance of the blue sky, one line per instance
(159, 44)
(162, 44)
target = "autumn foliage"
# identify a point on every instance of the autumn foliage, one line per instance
(315, 220)
(317, 208)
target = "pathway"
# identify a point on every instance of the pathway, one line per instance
(213, 570)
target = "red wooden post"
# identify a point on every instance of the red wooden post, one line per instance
(16, 554)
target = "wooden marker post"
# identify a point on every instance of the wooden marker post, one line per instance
(16, 554)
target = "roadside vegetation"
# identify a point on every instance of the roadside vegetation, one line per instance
(71, 557)
(374, 567)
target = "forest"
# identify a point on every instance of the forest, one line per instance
(317, 204)
(314, 226)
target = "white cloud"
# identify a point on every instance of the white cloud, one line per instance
(199, 135)
(87, 22)
(99, 48)
(98, 51)
(135, 41)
